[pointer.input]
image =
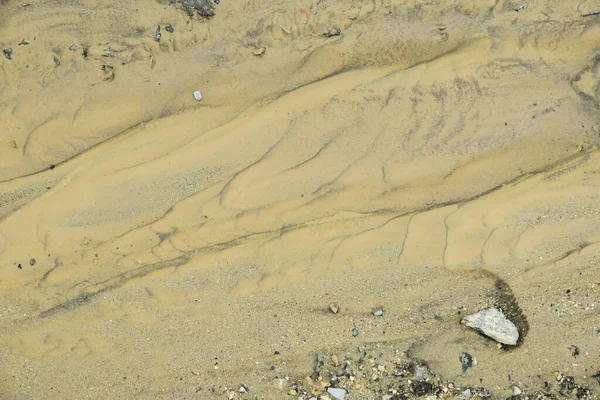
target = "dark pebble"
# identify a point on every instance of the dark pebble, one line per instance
(597, 377)
(422, 388)
(169, 28)
(32, 262)
(56, 61)
(19, 266)
(355, 332)
(8, 53)
(567, 385)
(574, 350)
(332, 32)
(466, 360)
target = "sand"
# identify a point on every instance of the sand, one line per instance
(154, 246)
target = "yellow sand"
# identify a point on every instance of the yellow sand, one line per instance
(384, 166)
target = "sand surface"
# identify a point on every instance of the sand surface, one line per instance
(157, 247)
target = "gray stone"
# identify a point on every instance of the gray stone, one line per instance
(419, 372)
(466, 394)
(197, 95)
(494, 324)
(337, 393)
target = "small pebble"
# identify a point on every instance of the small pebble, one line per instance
(242, 389)
(332, 32)
(466, 361)
(259, 51)
(337, 393)
(377, 311)
(466, 394)
(516, 391)
(355, 332)
(157, 34)
(197, 95)
(73, 47)
(334, 360)
(8, 53)
(169, 28)
(217, 1)
(56, 61)
(334, 308)
(419, 372)
(32, 262)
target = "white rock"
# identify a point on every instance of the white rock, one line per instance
(466, 394)
(338, 393)
(494, 324)
(197, 95)
(516, 391)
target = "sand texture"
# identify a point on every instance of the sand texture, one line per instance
(433, 158)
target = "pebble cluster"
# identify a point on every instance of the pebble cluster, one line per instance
(369, 372)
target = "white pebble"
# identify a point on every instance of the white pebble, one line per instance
(516, 391)
(337, 393)
(197, 95)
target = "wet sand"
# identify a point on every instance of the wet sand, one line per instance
(153, 246)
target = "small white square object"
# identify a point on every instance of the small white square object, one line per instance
(197, 95)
